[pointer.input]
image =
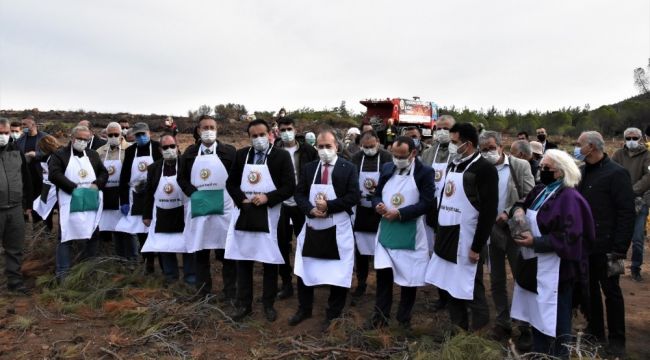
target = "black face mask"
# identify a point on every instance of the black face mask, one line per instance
(541, 137)
(546, 177)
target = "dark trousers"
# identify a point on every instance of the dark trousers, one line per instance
(555, 346)
(384, 297)
(149, 257)
(204, 275)
(335, 302)
(458, 309)
(126, 245)
(245, 283)
(499, 277)
(598, 281)
(286, 231)
(361, 265)
(170, 267)
(12, 232)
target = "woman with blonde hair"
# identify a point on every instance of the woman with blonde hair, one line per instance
(553, 226)
(44, 203)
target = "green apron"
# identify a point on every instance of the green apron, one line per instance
(84, 199)
(207, 202)
(398, 235)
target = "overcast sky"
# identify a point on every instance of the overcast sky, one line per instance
(158, 56)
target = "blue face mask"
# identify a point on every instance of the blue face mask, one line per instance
(578, 154)
(26, 130)
(142, 140)
(416, 142)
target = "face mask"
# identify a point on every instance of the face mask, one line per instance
(632, 144)
(26, 130)
(142, 140)
(370, 152)
(310, 141)
(169, 154)
(124, 132)
(546, 177)
(541, 137)
(261, 143)
(578, 154)
(442, 136)
(416, 142)
(113, 141)
(80, 145)
(208, 136)
(4, 139)
(453, 149)
(458, 151)
(287, 136)
(326, 155)
(401, 163)
(492, 156)
(15, 135)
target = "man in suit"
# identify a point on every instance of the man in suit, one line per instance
(515, 181)
(327, 192)
(291, 218)
(28, 145)
(95, 141)
(542, 137)
(260, 180)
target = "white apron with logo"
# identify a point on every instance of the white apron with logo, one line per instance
(209, 231)
(255, 246)
(439, 170)
(456, 209)
(43, 209)
(367, 180)
(315, 271)
(133, 224)
(78, 225)
(540, 309)
(110, 218)
(168, 195)
(409, 266)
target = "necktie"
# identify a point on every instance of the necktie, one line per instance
(207, 151)
(259, 157)
(325, 174)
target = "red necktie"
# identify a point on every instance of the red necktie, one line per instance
(325, 174)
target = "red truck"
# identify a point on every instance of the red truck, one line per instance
(390, 116)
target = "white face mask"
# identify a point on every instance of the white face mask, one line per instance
(124, 132)
(208, 136)
(16, 135)
(326, 155)
(492, 156)
(4, 139)
(80, 145)
(632, 144)
(113, 141)
(261, 143)
(370, 152)
(169, 154)
(287, 136)
(453, 149)
(401, 163)
(442, 136)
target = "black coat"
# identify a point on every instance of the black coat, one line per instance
(59, 162)
(16, 182)
(96, 142)
(346, 186)
(370, 164)
(129, 154)
(280, 167)
(225, 152)
(608, 189)
(306, 154)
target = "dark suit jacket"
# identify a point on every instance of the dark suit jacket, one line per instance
(59, 162)
(129, 154)
(423, 176)
(225, 152)
(280, 167)
(96, 142)
(550, 145)
(306, 154)
(346, 186)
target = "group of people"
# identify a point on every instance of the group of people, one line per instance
(427, 213)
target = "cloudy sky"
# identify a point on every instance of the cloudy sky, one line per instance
(158, 56)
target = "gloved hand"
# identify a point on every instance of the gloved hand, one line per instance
(124, 209)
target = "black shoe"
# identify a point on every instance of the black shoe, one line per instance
(270, 313)
(500, 333)
(286, 291)
(19, 289)
(525, 341)
(615, 351)
(439, 305)
(636, 276)
(360, 290)
(325, 325)
(299, 316)
(375, 322)
(405, 325)
(225, 298)
(241, 313)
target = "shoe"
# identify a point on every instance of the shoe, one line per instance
(500, 333)
(615, 351)
(376, 321)
(439, 305)
(325, 325)
(286, 291)
(241, 313)
(270, 313)
(224, 298)
(405, 325)
(360, 290)
(299, 316)
(19, 289)
(525, 341)
(636, 276)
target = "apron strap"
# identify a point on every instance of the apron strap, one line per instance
(313, 181)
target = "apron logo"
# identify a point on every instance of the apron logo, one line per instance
(111, 170)
(450, 188)
(83, 173)
(369, 184)
(320, 196)
(142, 166)
(438, 175)
(204, 174)
(168, 189)
(397, 199)
(254, 177)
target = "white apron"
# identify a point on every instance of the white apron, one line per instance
(455, 210)
(539, 309)
(133, 223)
(78, 225)
(314, 271)
(168, 196)
(44, 204)
(368, 180)
(439, 170)
(110, 218)
(209, 231)
(255, 246)
(409, 266)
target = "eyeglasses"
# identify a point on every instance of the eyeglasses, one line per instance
(113, 135)
(630, 138)
(171, 146)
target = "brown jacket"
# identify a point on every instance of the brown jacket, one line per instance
(637, 163)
